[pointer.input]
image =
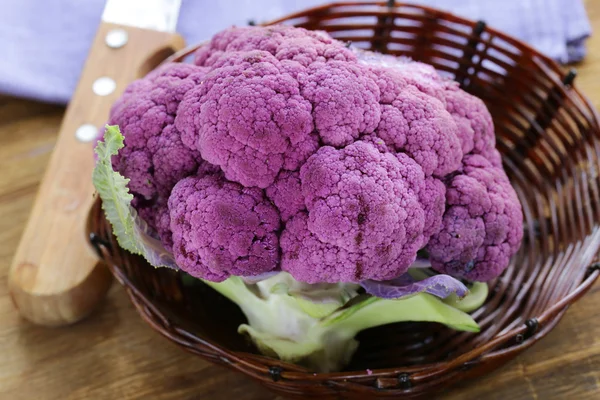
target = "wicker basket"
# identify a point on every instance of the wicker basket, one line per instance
(549, 136)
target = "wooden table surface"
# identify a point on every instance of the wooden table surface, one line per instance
(114, 355)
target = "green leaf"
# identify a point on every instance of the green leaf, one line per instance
(375, 311)
(132, 233)
(112, 188)
(478, 293)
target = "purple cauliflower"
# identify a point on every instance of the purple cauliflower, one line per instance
(280, 149)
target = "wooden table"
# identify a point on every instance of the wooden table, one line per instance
(114, 355)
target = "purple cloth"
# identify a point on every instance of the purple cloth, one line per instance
(44, 43)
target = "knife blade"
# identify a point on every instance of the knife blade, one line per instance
(55, 277)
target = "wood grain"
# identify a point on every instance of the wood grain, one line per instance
(113, 355)
(55, 277)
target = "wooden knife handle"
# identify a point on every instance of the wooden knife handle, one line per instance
(55, 277)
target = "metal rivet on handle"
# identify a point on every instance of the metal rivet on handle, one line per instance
(116, 38)
(86, 133)
(104, 86)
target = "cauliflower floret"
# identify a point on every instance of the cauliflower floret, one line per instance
(482, 227)
(413, 113)
(221, 228)
(475, 125)
(345, 100)
(363, 220)
(418, 124)
(475, 129)
(473, 120)
(250, 119)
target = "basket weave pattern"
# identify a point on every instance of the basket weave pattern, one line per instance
(549, 137)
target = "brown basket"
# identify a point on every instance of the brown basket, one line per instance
(549, 137)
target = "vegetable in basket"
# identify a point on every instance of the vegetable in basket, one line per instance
(323, 189)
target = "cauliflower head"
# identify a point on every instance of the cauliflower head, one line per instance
(281, 149)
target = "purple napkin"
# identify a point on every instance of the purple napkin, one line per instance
(44, 44)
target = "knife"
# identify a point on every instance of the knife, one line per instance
(55, 277)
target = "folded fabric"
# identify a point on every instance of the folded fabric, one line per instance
(44, 43)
